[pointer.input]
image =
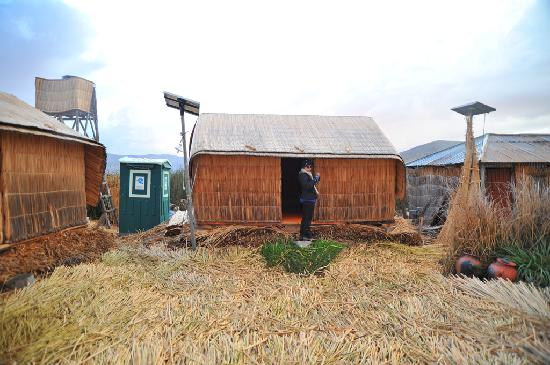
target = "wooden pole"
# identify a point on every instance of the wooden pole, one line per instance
(187, 185)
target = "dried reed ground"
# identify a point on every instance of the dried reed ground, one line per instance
(380, 303)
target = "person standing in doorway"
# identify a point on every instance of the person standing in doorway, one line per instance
(308, 197)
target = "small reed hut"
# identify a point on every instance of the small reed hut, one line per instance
(244, 168)
(48, 172)
(503, 159)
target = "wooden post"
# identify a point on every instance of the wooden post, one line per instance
(187, 185)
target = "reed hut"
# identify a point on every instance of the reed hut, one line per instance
(245, 168)
(48, 172)
(503, 159)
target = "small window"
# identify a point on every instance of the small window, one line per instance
(140, 183)
(165, 184)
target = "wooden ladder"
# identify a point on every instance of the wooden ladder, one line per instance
(108, 211)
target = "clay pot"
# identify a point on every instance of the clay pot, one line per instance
(502, 268)
(468, 265)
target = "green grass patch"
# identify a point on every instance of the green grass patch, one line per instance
(304, 261)
(533, 262)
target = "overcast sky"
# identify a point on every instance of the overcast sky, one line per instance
(404, 63)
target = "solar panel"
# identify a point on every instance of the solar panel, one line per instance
(474, 108)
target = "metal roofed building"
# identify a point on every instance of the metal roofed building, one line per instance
(48, 172)
(503, 158)
(244, 168)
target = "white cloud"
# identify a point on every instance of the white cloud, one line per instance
(24, 29)
(404, 63)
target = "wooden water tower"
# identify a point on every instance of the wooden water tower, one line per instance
(72, 100)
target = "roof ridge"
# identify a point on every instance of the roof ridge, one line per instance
(293, 115)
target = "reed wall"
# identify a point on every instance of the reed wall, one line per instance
(538, 172)
(355, 190)
(236, 189)
(95, 162)
(42, 185)
(428, 188)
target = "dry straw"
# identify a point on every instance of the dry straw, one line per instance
(482, 227)
(478, 226)
(253, 236)
(380, 303)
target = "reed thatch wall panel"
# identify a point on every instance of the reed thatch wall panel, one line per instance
(355, 190)
(538, 172)
(400, 180)
(95, 158)
(229, 189)
(428, 188)
(43, 185)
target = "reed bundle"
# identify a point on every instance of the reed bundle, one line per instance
(41, 255)
(380, 303)
(254, 236)
(351, 233)
(113, 180)
(482, 227)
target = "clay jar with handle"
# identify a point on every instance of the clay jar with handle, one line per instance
(468, 265)
(502, 268)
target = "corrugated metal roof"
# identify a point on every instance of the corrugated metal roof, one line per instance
(495, 148)
(149, 161)
(424, 150)
(504, 148)
(290, 135)
(17, 115)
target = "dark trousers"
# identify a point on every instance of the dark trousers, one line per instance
(307, 216)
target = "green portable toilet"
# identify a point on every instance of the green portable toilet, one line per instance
(144, 193)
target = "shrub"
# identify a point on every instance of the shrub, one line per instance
(533, 263)
(177, 192)
(305, 261)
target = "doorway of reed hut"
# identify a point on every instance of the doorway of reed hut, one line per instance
(290, 190)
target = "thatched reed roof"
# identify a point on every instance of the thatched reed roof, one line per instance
(494, 148)
(291, 136)
(18, 116)
(71, 93)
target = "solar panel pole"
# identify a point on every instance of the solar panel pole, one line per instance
(186, 179)
(190, 106)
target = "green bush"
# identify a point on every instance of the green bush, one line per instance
(533, 261)
(273, 252)
(305, 261)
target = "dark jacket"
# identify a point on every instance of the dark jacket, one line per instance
(307, 184)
